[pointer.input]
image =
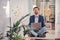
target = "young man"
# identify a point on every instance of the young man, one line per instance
(37, 19)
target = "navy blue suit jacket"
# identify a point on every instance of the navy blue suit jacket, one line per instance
(40, 20)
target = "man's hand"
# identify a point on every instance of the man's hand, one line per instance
(37, 25)
(23, 24)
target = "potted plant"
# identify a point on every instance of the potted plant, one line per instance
(13, 32)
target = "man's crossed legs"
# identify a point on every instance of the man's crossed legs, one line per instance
(39, 32)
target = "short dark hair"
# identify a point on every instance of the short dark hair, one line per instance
(35, 7)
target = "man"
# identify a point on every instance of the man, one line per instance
(38, 22)
(36, 19)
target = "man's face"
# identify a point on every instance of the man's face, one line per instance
(36, 11)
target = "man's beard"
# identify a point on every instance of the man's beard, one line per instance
(36, 13)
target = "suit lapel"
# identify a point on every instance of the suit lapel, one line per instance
(39, 19)
(33, 18)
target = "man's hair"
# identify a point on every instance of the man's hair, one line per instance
(35, 7)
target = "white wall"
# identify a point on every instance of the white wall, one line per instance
(57, 18)
(4, 20)
(19, 8)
